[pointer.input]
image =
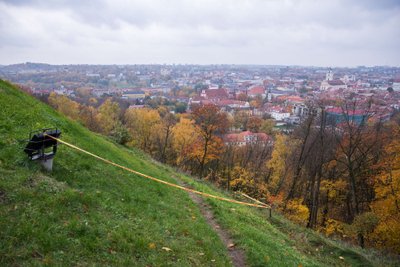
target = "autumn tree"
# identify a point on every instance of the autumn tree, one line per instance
(317, 166)
(64, 105)
(143, 124)
(185, 134)
(108, 116)
(277, 163)
(211, 123)
(256, 102)
(357, 144)
(241, 119)
(304, 140)
(267, 126)
(164, 136)
(88, 116)
(386, 204)
(242, 97)
(254, 124)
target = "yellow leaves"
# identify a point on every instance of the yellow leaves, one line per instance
(185, 134)
(254, 124)
(153, 245)
(387, 233)
(88, 116)
(64, 105)
(334, 189)
(108, 116)
(296, 211)
(387, 197)
(241, 179)
(333, 227)
(278, 160)
(143, 124)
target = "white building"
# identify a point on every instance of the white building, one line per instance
(396, 85)
(329, 75)
(279, 115)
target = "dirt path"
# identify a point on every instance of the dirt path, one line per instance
(236, 254)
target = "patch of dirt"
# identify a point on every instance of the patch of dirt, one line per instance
(236, 254)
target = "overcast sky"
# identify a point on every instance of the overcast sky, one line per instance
(284, 32)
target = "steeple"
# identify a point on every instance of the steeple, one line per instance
(329, 75)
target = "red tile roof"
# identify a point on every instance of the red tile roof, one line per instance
(256, 90)
(336, 82)
(338, 110)
(216, 93)
(251, 137)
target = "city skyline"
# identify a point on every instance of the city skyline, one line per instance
(307, 33)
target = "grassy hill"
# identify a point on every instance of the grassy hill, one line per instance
(88, 213)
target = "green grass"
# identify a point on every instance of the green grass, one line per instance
(87, 213)
(278, 242)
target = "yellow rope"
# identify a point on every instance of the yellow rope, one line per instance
(158, 180)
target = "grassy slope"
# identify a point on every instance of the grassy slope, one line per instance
(85, 212)
(88, 213)
(278, 242)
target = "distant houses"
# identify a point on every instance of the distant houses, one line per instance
(332, 85)
(247, 138)
(337, 115)
(257, 90)
(396, 85)
(134, 94)
(214, 94)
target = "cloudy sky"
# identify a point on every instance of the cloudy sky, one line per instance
(284, 32)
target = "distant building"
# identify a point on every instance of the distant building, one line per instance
(348, 78)
(396, 85)
(139, 94)
(136, 106)
(214, 94)
(330, 83)
(303, 110)
(257, 90)
(329, 75)
(293, 120)
(247, 138)
(336, 115)
(234, 104)
(279, 115)
(96, 75)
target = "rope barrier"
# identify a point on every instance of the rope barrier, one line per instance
(264, 206)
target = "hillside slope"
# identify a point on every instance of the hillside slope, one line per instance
(88, 213)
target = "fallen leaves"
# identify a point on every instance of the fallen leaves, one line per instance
(231, 245)
(166, 249)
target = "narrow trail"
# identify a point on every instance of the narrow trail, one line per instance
(236, 254)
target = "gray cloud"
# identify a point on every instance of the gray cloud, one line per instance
(307, 32)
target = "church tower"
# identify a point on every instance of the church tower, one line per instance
(329, 75)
